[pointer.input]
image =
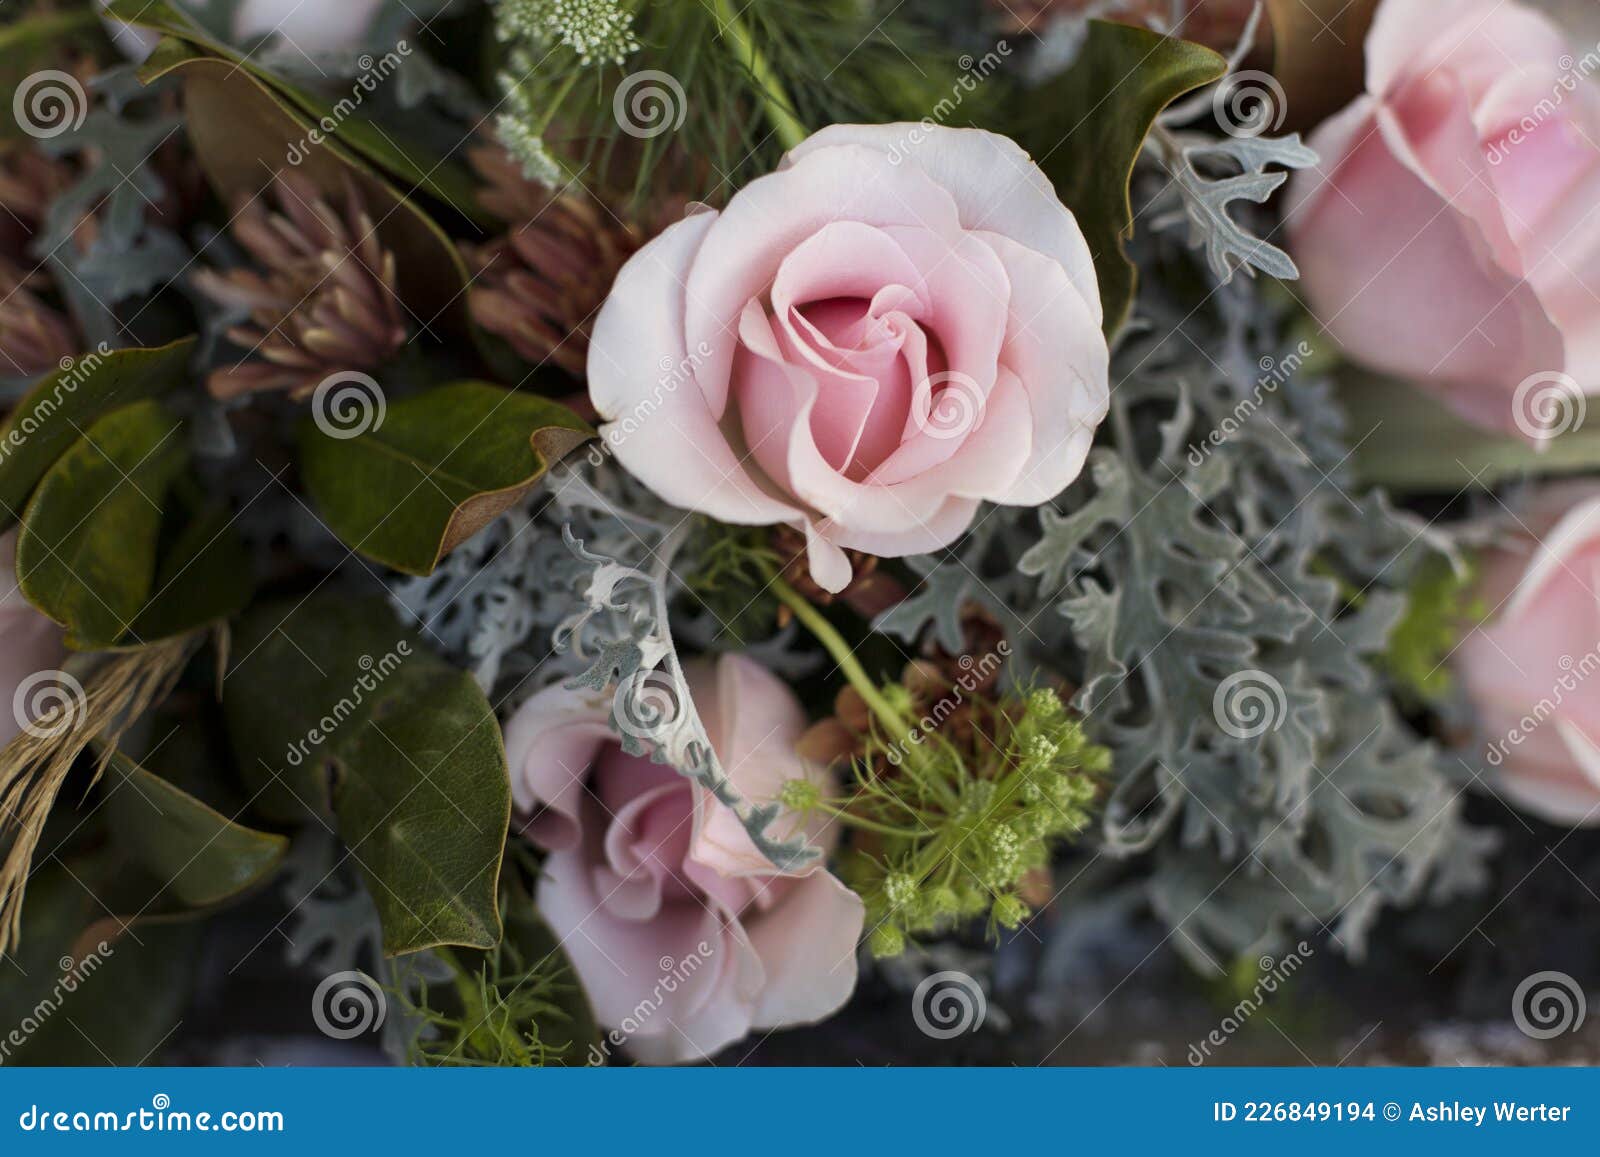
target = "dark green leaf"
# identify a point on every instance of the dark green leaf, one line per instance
(58, 409)
(438, 468)
(204, 577)
(198, 857)
(1090, 126)
(404, 160)
(36, 43)
(334, 707)
(86, 555)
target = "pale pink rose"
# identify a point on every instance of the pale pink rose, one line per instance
(1532, 670)
(899, 323)
(1449, 234)
(29, 643)
(684, 937)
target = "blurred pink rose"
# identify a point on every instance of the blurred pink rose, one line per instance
(1448, 235)
(29, 643)
(684, 938)
(899, 323)
(1532, 671)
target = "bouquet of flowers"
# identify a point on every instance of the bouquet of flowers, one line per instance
(590, 531)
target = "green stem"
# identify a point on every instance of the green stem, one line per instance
(835, 645)
(775, 102)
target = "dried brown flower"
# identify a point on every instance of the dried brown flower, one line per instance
(540, 285)
(325, 298)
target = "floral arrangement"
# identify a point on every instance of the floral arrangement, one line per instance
(592, 531)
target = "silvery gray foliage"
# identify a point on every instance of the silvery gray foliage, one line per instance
(1217, 533)
(1208, 177)
(624, 626)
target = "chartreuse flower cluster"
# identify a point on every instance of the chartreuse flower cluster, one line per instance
(948, 822)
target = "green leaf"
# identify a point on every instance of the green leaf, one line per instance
(86, 555)
(437, 469)
(204, 577)
(56, 411)
(244, 131)
(198, 857)
(334, 708)
(78, 995)
(386, 147)
(1090, 125)
(1408, 441)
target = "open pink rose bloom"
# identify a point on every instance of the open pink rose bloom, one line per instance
(899, 324)
(682, 934)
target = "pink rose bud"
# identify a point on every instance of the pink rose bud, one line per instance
(31, 648)
(1532, 670)
(683, 934)
(898, 324)
(1449, 234)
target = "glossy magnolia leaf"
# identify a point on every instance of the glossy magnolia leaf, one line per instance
(1090, 124)
(388, 147)
(203, 577)
(1317, 54)
(78, 996)
(436, 469)
(334, 708)
(86, 555)
(63, 404)
(198, 857)
(244, 131)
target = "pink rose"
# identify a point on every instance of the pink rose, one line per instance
(29, 644)
(898, 324)
(1532, 671)
(684, 937)
(1448, 235)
